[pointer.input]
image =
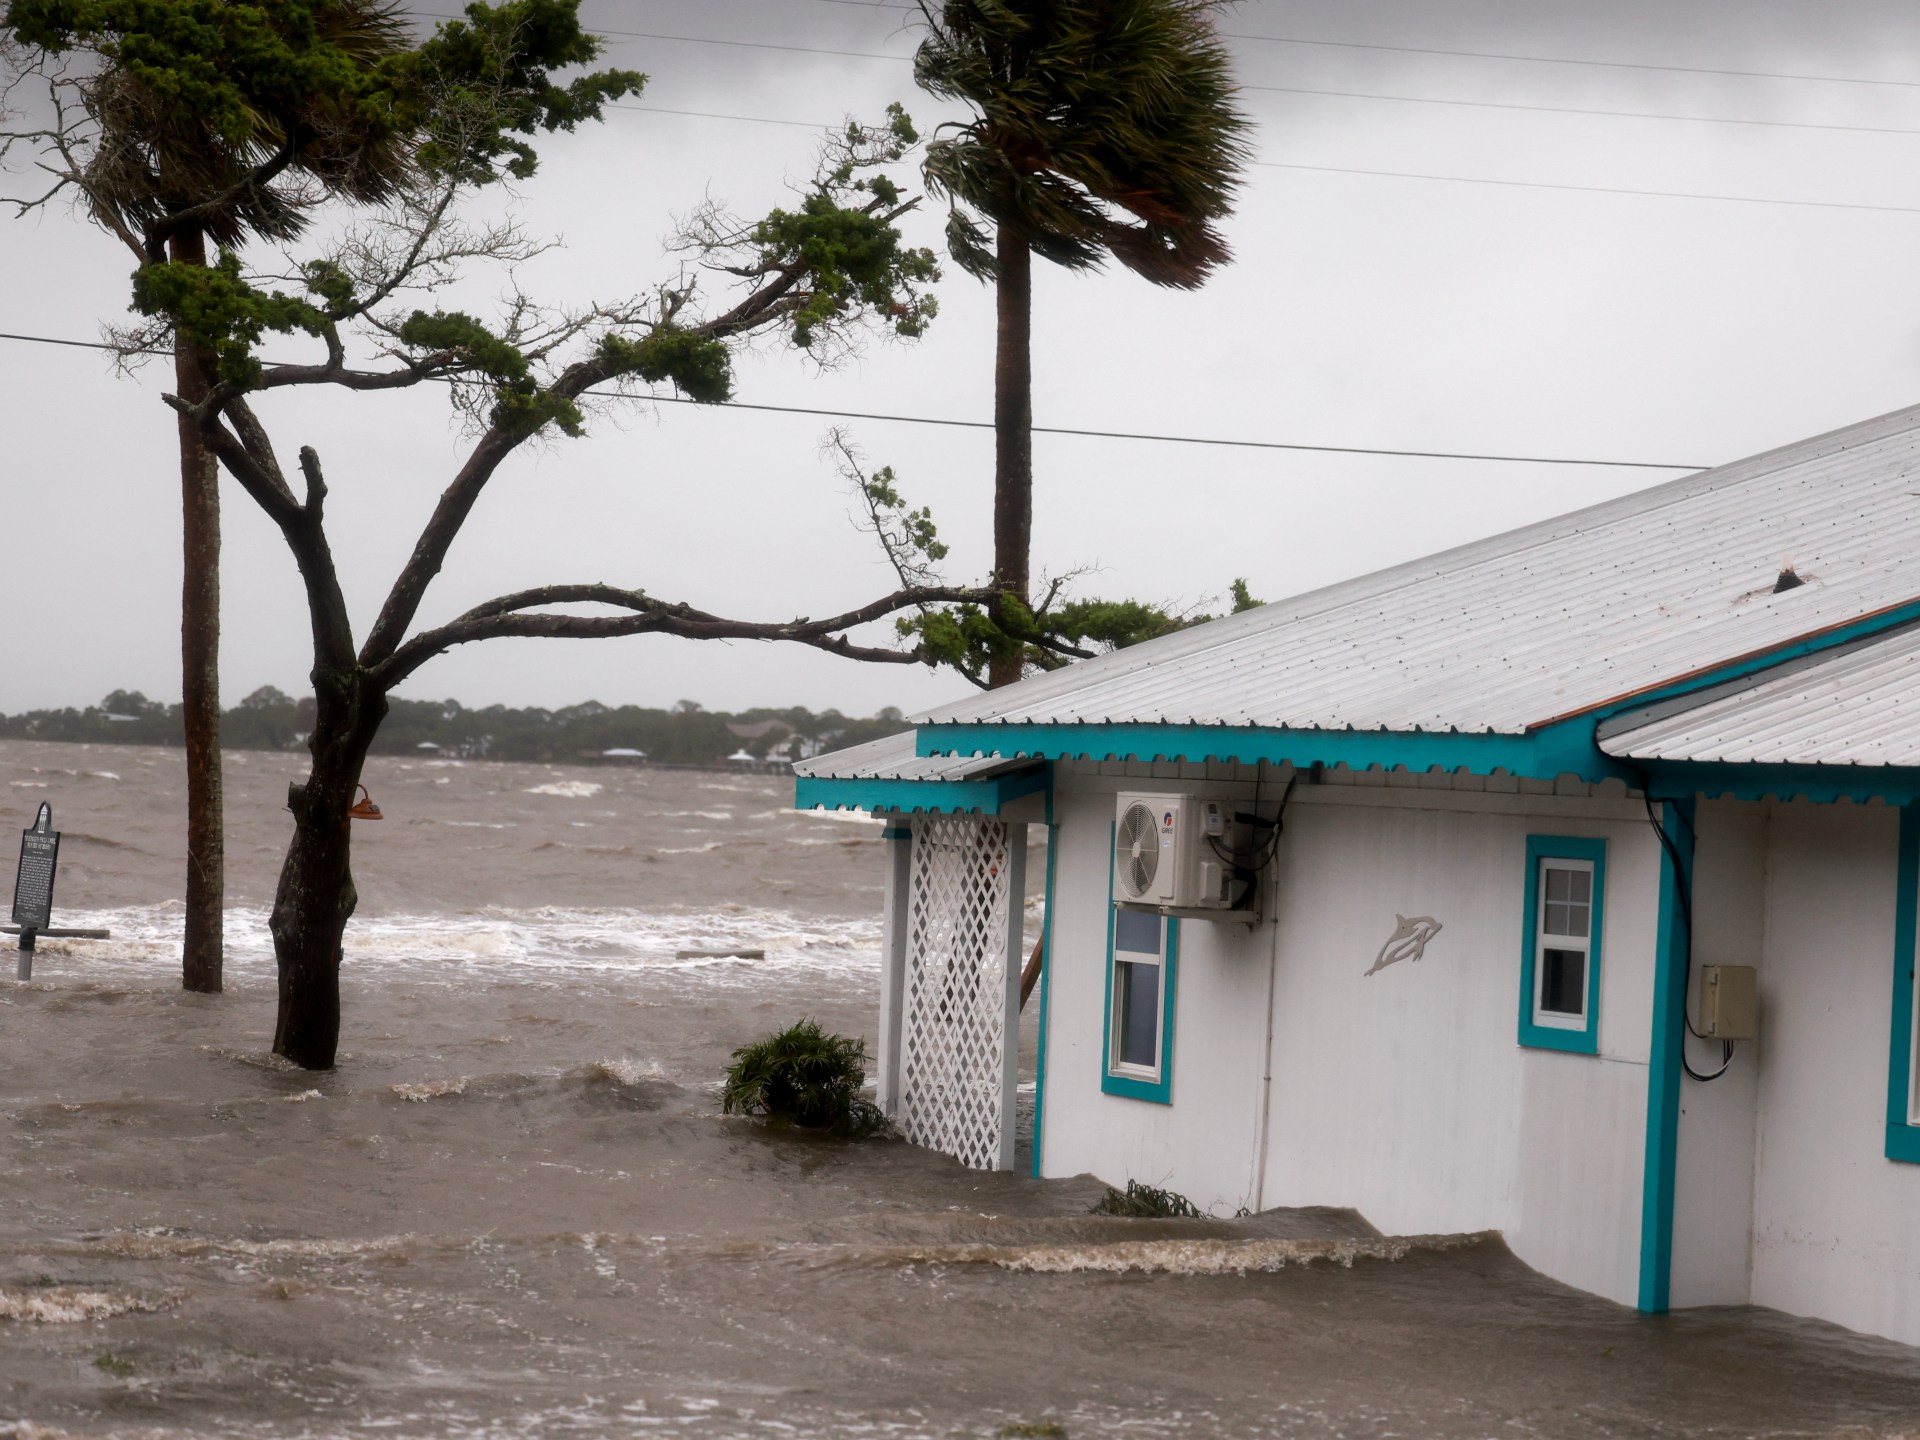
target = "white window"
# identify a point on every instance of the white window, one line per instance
(1138, 1009)
(1563, 943)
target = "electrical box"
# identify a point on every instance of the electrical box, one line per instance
(1729, 1002)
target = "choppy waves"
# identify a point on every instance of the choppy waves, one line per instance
(475, 945)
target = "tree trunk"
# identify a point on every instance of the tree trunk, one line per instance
(200, 663)
(1012, 433)
(316, 897)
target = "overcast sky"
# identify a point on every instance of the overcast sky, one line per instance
(1361, 310)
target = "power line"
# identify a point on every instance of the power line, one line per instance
(1578, 110)
(710, 40)
(715, 115)
(1052, 429)
(1591, 189)
(1563, 60)
(1413, 174)
(1470, 54)
(1301, 89)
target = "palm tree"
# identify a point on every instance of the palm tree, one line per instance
(169, 181)
(1102, 128)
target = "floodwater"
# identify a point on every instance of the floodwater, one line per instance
(513, 1210)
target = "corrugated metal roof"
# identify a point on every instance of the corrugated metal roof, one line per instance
(1542, 622)
(893, 759)
(1859, 705)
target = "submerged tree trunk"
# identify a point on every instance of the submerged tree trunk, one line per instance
(200, 662)
(316, 897)
(1012, 432)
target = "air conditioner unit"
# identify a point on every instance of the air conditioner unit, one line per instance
(1171, 850)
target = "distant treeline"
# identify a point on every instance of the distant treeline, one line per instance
(268, 719)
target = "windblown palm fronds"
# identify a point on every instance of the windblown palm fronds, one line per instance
(1102, 127)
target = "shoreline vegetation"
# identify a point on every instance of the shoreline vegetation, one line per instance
(686, 734)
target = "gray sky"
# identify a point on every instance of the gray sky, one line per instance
(1361, 310)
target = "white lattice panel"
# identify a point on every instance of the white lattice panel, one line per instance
(957, 1036)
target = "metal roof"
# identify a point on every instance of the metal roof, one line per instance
(1538, 623)
(893, 758)
(1855, 705)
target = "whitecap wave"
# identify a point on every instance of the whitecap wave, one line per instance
(71, 1305)
(570, 789)
(458, 949)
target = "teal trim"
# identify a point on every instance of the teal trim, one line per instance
(934, 797)
(1586, 1039)
(1046, 970)
(1672, 958)
(1159, 1092)
(1547, 753)
(1680, 780)
(1903, 1137)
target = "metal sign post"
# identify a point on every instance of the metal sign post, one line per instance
(33, 884)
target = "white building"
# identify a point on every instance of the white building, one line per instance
(1584, 762)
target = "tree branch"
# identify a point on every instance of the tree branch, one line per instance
(263, 482)
(505, 616)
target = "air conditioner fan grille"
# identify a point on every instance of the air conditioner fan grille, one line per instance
(1137, 851)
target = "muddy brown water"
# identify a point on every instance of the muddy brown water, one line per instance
(513, 1210)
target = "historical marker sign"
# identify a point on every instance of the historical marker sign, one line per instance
(33, 883)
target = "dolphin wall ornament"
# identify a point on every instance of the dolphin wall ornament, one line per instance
(1408, 941)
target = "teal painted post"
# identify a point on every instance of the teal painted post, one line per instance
(1903, 1137)
(1672, 957)
(1046, 972)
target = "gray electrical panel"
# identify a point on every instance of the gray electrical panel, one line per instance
(1729, 1002)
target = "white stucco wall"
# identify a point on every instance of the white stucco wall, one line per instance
(1713, 1180)
(1836, 1225)
(1203, 1144)
(1404, 1094)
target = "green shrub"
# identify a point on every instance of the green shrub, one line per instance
(1146, 1202)
(803, 1076)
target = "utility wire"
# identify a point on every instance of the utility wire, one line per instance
(1477, 54)
(715, 115)
(1591, 189)
(1579, 110)
(1044, 429)
(1412, 174)
(1563, 60)
(1377, 96)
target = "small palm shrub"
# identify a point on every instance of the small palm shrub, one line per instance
(803, 1076)
(1146, 1202)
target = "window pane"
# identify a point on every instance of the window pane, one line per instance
(1563, 982)
(1559, 919)
(1579, 920)
(1137, 931)
(1139, 987)
(1581, 886)
(1557, 884)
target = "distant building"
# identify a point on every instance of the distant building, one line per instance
(1562, 884)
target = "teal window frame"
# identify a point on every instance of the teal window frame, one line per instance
(1583, 1039)
(1157, 1091)
(1903, 1135)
